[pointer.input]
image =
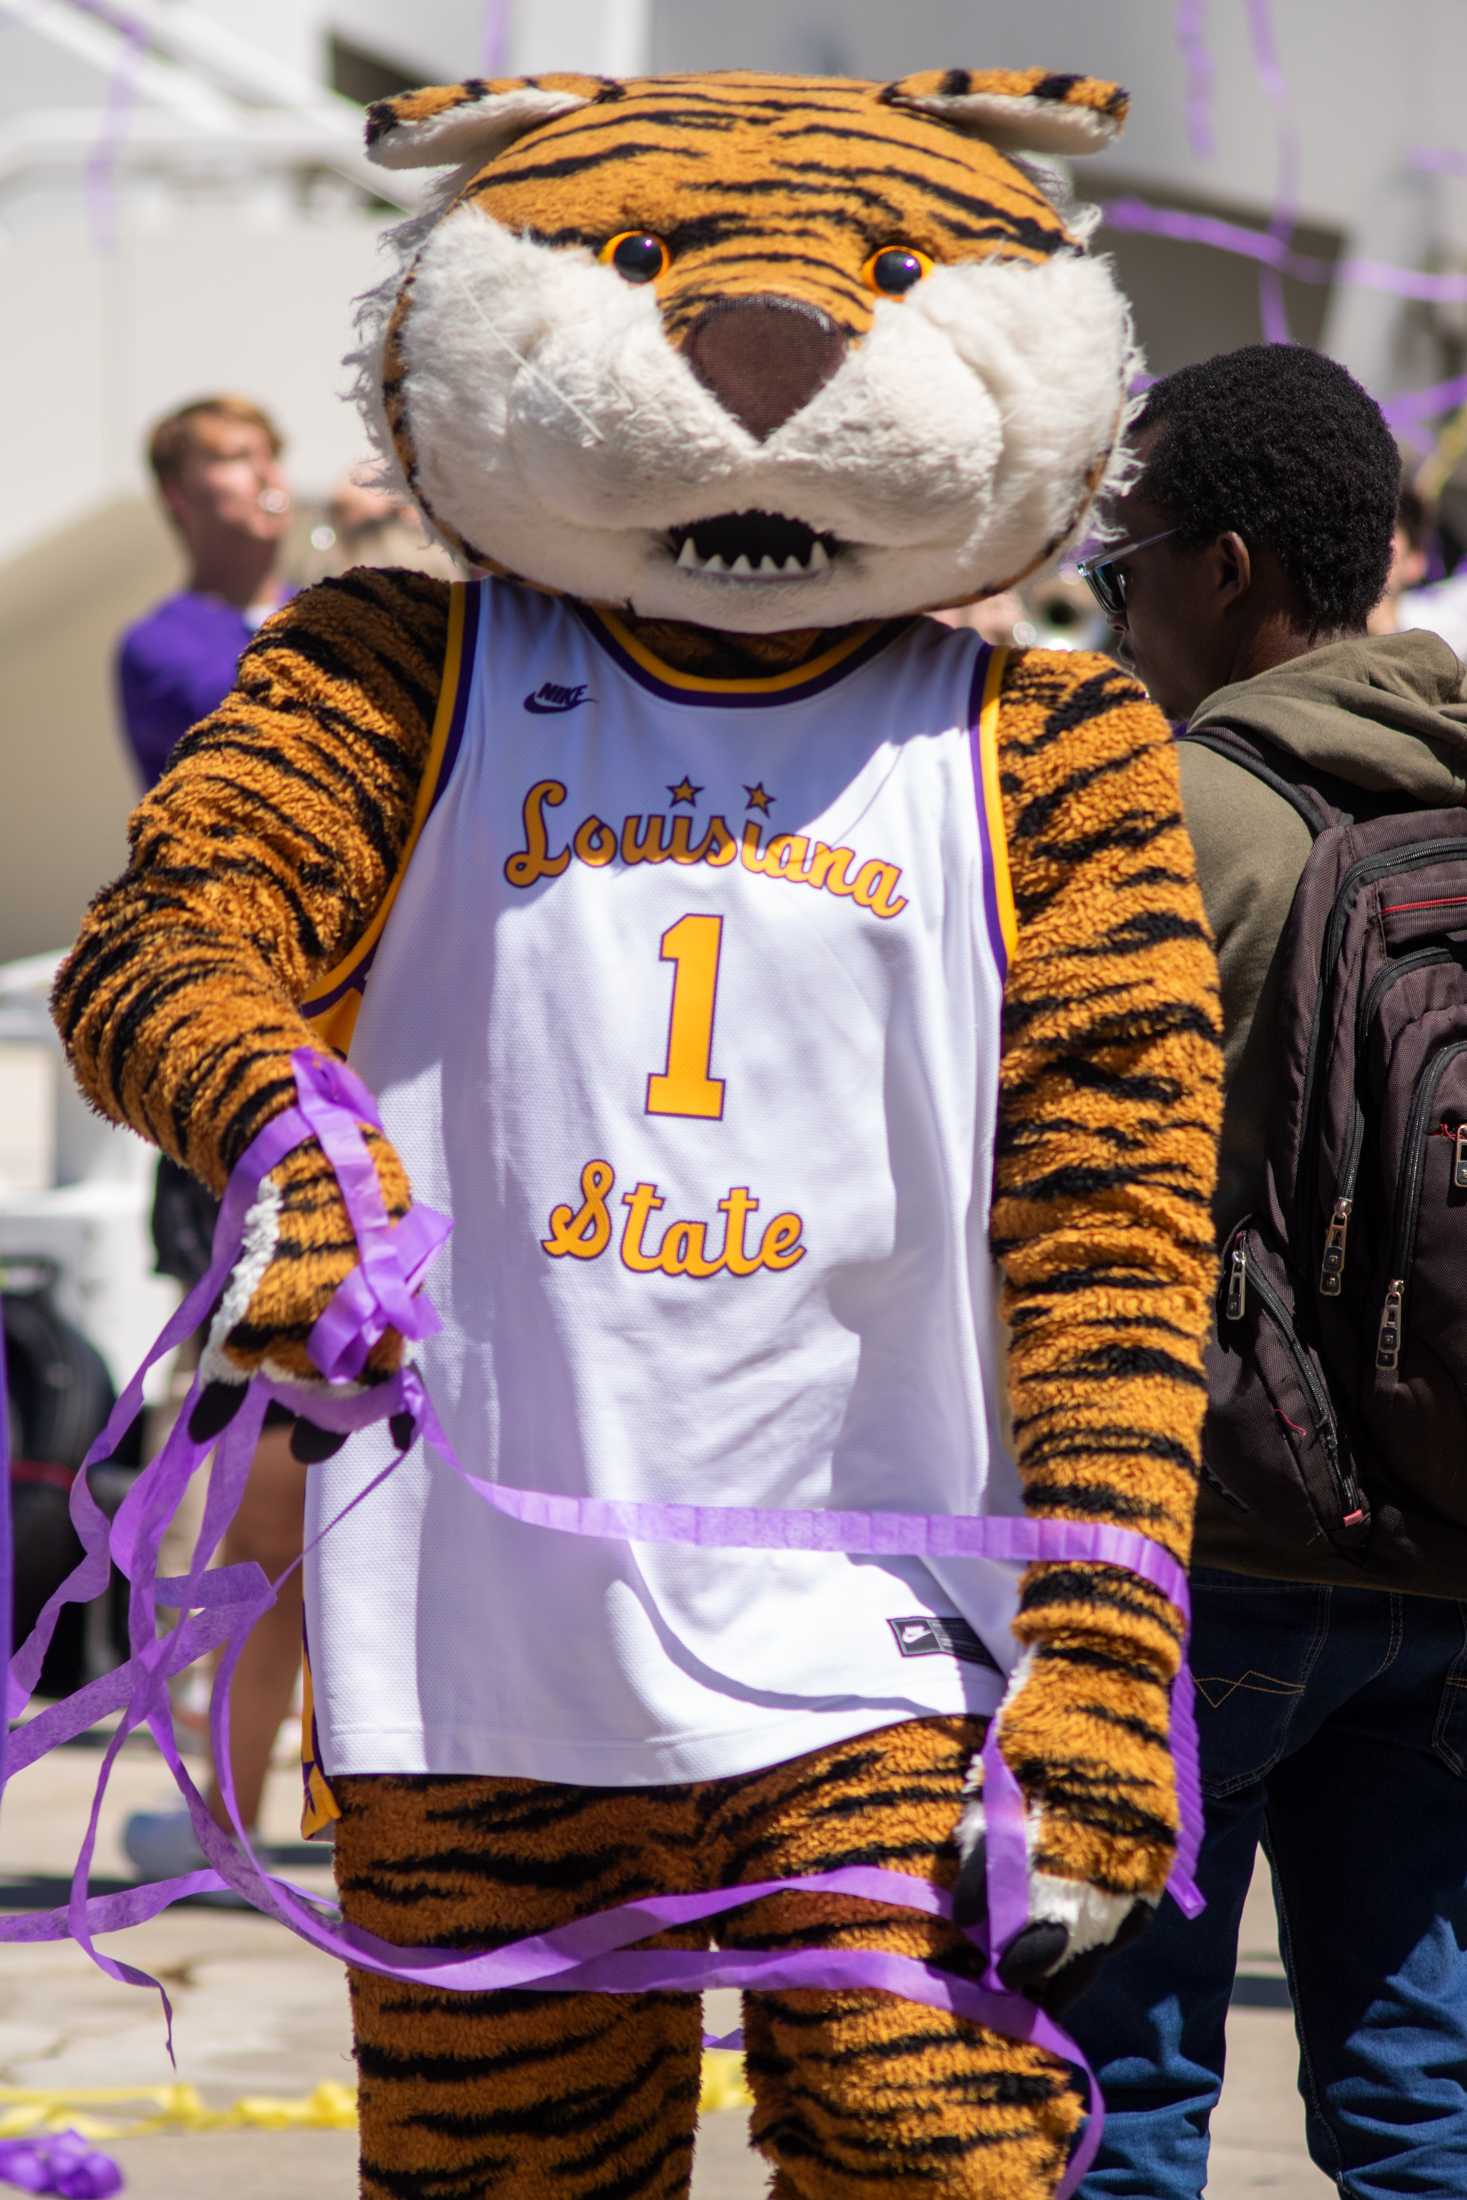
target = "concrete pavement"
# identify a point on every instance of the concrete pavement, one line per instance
(259, 2014)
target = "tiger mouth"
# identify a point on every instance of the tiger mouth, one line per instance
(753, 546)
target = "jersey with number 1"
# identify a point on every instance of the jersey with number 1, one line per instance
(686, 1007)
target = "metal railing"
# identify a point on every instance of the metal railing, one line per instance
(197, 93)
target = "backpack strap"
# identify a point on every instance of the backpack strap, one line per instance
(1269, 765)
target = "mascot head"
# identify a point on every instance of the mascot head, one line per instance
(753, 352)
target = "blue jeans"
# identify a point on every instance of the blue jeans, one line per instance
(1334, 1729)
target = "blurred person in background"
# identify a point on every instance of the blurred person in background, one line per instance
(1408, 563)
(997, 618)
(1438, 605)
(217, 464)
(1054, 610)
(1332, 1717)
(364, 525)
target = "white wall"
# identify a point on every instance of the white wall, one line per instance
(112, 337)
(439, 43)
(449, 39)
(1366, 81)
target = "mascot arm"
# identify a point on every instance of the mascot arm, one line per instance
(257, 863)
(1109, 1114)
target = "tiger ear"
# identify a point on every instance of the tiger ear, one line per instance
(445, 124)
(1029, 110)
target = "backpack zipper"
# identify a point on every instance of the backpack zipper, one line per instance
(1332, 1262)
(1408, 858)
(1408, 1206)
(1336, 1237)
(1354, 1507)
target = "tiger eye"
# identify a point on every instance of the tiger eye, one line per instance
(637, 256)
(896, 269)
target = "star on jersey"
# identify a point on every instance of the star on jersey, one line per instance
(684, 791)
(758, 799)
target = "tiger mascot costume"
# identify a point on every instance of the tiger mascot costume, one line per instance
(791, 1000)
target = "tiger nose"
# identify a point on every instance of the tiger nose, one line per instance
(764, 358)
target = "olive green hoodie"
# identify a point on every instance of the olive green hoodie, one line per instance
(1387, 713)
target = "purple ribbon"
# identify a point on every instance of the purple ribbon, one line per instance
(7, 1554)
(1192, 39)
(64, 2162)
(1132, 214)
(1416, 405)
(496, 37)
(592, 1954)
(381, 1293)
(121, 98)
(1286, 192)
(1437, 160)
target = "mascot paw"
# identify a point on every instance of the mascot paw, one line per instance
(299, 1247)
(1100, 1818)
(1072, 1926)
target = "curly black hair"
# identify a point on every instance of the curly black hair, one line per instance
(1282, 445)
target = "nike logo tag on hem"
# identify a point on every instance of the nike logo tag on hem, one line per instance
(921, 1637)
(548, 697)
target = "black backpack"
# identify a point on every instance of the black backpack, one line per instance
(1335, 1446)
(57, 1395)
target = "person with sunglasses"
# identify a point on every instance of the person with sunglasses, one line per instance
(1105, 576)
(1238, 574)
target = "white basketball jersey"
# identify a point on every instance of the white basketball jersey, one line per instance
(687, 1010)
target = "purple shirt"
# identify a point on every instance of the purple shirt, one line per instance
(173, 668)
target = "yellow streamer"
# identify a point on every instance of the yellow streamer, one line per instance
(28, 2110)
(1451, 446)
(23, 2110)
(723, 2083)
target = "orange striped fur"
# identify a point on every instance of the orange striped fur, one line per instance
(750, 181)
(857, 2096)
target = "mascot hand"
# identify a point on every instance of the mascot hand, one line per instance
(1084, 1730)
(298, 1248)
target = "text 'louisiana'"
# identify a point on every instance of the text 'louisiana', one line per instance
(654, 837)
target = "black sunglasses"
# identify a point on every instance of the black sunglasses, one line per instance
(1107, 586)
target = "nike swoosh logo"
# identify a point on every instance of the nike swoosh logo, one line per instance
(546, 708)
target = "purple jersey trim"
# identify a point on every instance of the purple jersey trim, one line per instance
(717, 698)
(987, 825)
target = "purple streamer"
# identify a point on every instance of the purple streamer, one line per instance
(1437, 161)
(1192, 39)
(1139, 215)
(64, 2163)
(101, 173)
(1271, 306)
(7, 1553)
(1416, 405)
(496, 38)
(1266, 53)
(592, 1954)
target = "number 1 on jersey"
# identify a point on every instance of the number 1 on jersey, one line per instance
(693, 945)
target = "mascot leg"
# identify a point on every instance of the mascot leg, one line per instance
(863, 2095)
(533, 2095)
(517, 2094)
